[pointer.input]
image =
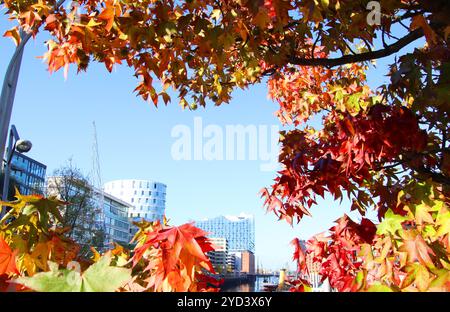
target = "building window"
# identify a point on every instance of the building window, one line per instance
(132, 200)
(154, 186)
(154, 201)
(142, 193)
(149, 193)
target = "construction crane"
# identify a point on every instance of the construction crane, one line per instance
(97, 184)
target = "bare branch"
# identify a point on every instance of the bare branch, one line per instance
(362, 57)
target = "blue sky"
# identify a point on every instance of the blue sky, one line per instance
(135, 142)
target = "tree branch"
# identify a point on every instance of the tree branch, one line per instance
(362, 57)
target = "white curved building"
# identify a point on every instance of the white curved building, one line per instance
(148, 198)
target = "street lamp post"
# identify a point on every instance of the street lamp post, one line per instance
(14, 144)
(9, 90)
(10, 83)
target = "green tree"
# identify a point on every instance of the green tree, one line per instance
(82, 210)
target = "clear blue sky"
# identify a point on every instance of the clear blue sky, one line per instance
(135, 142)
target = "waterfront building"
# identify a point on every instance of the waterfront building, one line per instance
(248, 262)
(231, 262)
(147, 199)
(28, 173)
(112, 217)
(239, 231)
(219, 256)
(237, 260)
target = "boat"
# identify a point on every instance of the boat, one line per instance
(269, 287)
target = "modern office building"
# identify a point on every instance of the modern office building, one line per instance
(147, 198)
(231, 262)
(113, 217)
(117, 223)
(239, 231)
(219, 256)
(235, 259)
(28, 173)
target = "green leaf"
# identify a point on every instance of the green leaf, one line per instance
(422, 280)
(379, 288)
(99, 277)
(443, 221)
(392, 223)
(54, 281)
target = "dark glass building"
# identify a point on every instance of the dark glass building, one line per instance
(28, 173)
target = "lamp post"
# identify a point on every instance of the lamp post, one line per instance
(10, 83)
(14, 144)
(9, 90)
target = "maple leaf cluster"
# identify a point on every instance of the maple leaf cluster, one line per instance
(402, 253)
(173, 258)
(35, 254)
(344, 156)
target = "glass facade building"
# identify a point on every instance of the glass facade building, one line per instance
(113, 217)
(117, 223)
(239, 231)
(147, 199)
(28, 173)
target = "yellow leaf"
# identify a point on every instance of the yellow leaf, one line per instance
(216, 14)
(14, 34)
(93, 23)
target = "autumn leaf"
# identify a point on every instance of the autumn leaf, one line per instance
(99, 277)
(419, 21)
(391, 224)
(107, 15)
(7, 259)
(379, 288)
(13, 33)
(417, 249)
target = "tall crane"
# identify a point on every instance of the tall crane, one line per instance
(97, 184)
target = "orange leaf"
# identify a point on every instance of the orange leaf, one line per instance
(7, 259)
(13, 33)
(420, 22)
(108, 16)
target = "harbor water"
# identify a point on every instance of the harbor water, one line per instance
(253, 286)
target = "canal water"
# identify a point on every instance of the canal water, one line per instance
(254, 286)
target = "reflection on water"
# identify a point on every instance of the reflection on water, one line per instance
(254, 286)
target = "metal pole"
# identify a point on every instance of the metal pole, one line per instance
(6, 173)
(9, 91)
(9, 85)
